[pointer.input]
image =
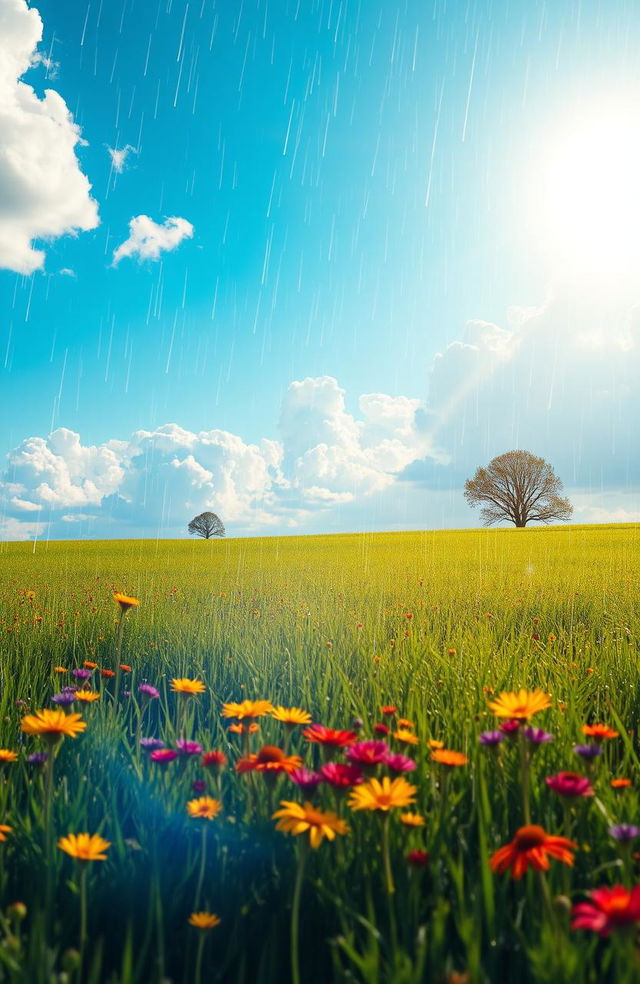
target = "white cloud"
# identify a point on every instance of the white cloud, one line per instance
(147, 239)
(119, 156)
(43, 192)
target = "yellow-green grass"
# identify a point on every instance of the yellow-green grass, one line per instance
(339, 625)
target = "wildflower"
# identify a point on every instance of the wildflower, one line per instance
(205, 807)
(60, 669)
(214, 760)
(318, 734)
(204, 920)
(405, 723)
(405, 737)
(341, 776)
(381, 729)
(151, 743)
(609, 909)
(163, 755)
(90, 665)
(588, 751)
(125, 602)
(509, 728)
(357, 724)
(148, 691)
(569, 784)
(82, 673)
(85, 847)
(198, 785)
(247, 709)
(388, 710)
(400, 763)
(444, 756)
(418, 859)
(86, 696)
(107, 673)
(434, 743)
(412, 819)
(53, 725)
(7, 756)
(624, 832)
(599, 731)
(186, 747)
(367, 753)
(291, 715)
(182, 685)
(491, 738)
(269, 759)
(532, 846)
(37, 758)
(125, 668)
(520, 706)
(295, 818)
(537, 736)
(4, 830)
(242, 729)
(385, 794)
(620, 783)
(306, 780)
(64, 699)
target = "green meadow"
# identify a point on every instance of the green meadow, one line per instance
(435, 624)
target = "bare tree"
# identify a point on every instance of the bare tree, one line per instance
(207, 524)
(520, 488)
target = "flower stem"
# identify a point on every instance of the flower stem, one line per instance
(83, 915)
(525, 763)
(48, 844)
(295, 913)
(388, 874)
(203, 862)
(119, 633)
(200, 951)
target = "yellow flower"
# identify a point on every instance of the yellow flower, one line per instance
(434, 743)
(247, 709)
(412, 819)
(204, 920)
(86, 696)
(181, 685)
(53, 725)
(85, 847)
(4, 830)
(405, 723)
(382, 795)
(294, 818)
(8, 756)
(522, 705)
(291, 715)
(125, 601)
(205, 807)
(407, 737)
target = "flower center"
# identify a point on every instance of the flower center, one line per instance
(529, 837)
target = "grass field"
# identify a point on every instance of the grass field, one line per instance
(437, 625)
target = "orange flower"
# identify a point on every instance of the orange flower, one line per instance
(125, 601)
(532, 846)
(434, 743)
(406, 737)
(620, 783)
(294, 818)
(269, 760)
(205, 807)
(446, 757)
(412, 819)
(4, 830)
(599, 732)
(86, 696)
(382, 795)
(107, 673)
(7, 756)
(89, 664)
(85, 847)
(405, 723)
(52, 725)
(60, 669)
(241, 729)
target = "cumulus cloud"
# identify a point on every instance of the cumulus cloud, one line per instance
(119, 156)
(43, 192)
(147, 239)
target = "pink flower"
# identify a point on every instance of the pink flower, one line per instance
(163, 755)
(510, 727)
(341, 776)
(609, 909)
(569, 784)
(400, 763)
(366, 753)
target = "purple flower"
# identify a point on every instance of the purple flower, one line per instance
(70, 690)
(198, 785)
(148, 691)
(81, 674)
(306, 780)
(491, 738)
(37, 758)
(624, 832)
(537, 736)
(151, 743)
(186, 747)
(63, 699)
(588, 751)
(400, 763)
(368, 753)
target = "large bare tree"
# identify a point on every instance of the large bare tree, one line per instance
(207, 524)
(520, 488)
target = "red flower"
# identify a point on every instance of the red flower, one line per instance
(609, 909)
(418, 859)
(329, 736)
(341, 776)
(214, 760)
(389, 709)
(569, 784)
(381, 729)
(510, 727)
(533, 846)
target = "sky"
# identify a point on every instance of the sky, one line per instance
(309, 263)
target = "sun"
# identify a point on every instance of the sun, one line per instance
(587, 190)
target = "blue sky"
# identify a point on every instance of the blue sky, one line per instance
(360, 303)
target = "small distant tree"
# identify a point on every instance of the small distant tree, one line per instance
(207, 524)
(520, 488)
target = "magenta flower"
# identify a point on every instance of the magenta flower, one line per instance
(151, 743)
(491, 738)
(366, 753)
(163, 755)
(306, 780)
(186, 747)
(148, 691)
(81, 674)
(609, 909)
(341, 776)
(537, 736)
(569, 784)
(400, 763)
(510, 728)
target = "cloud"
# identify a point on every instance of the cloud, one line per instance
(119, 157)
(43, 192)
(147, 239)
